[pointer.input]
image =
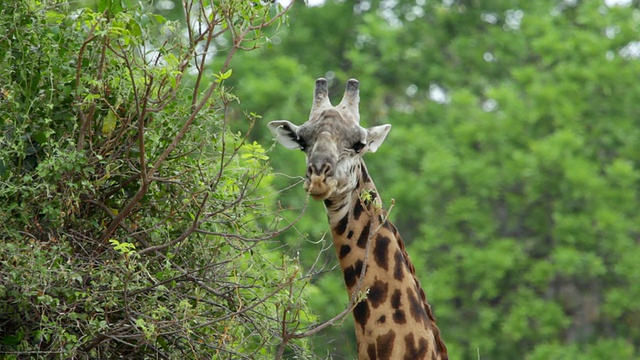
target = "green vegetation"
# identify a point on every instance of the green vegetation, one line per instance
(514, 162)
(133, 220)
(144, 211)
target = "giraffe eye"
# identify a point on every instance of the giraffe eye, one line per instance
(302, 143)
(357, 147)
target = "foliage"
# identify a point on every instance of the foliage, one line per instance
(134, 220)
(512, 160)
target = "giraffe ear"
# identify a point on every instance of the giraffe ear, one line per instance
(376, 135)
(286, 133)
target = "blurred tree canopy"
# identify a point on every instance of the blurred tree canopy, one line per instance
(513, 161)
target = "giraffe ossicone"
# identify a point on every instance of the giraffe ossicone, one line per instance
(394, 320)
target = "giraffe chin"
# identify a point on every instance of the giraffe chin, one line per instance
(319, 197)
(319, 190)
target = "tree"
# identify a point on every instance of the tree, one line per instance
(134, 220)
(512, 161)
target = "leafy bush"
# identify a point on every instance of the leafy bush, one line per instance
(134, 220)
(513, 162)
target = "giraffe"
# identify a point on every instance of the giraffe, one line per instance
(392, 317)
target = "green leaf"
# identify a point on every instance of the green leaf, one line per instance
(109, 123)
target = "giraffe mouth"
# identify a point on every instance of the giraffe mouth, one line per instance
(319, 187)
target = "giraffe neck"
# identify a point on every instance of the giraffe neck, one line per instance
(394, 321)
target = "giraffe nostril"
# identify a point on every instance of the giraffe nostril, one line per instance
(320, 169)
(327, 169)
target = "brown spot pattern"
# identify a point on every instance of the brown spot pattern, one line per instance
(344, 251)
(398, 268)
(357, 210)
(416, 307)
(415, 351)
(371, 351)
(378, 293)
(389, 226)
(365, 175)
(342, 225)
(364, 236)
(399, 316)
(384, 344)
(361, 313)
(381, 252)
(352, 273)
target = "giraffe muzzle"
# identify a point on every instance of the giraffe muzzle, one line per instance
(319, 183)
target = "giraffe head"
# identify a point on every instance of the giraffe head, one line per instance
(333, 141)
